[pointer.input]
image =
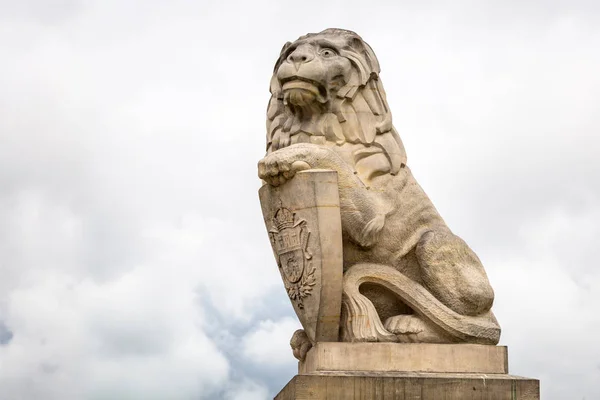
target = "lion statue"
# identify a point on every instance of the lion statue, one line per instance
(407, 277)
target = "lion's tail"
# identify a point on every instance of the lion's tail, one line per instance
(363, 323)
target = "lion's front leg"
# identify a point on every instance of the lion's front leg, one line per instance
(363, 211)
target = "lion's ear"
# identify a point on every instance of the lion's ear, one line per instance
(284, 48)
(357, 44)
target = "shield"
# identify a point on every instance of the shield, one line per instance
(292, 264)
(302, 218)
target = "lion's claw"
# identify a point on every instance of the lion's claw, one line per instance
(371, 232)
(280, 166)
(413, 329)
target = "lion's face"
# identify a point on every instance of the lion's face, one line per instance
(313, 69)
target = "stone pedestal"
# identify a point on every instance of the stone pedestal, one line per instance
(404, 357)
(407, 371)
(410, 386)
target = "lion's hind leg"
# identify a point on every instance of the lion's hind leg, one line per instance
(453, 273)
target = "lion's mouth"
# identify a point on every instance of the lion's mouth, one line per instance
(303, 89)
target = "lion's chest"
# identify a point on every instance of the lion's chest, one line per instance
(307, 137)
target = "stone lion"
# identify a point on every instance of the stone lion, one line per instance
(407, 277)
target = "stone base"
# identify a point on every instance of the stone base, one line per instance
(404, 357)
(413, 386)
(417, 371)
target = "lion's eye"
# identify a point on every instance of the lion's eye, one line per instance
(327, 52)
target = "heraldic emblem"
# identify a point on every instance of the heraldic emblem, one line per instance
(289, 238)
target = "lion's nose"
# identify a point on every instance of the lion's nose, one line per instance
(301, 55)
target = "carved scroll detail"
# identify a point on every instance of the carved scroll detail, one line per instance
(299, 291)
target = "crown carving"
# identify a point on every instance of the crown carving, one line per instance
(283, 218)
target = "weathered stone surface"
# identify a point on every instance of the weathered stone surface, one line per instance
(401, 357)
(407, 277)
(410, 386)
(303, 221)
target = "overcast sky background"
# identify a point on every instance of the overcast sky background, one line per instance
(134, 263)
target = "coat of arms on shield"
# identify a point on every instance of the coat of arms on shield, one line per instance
(289, 238)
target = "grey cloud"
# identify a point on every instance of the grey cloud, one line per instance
(5, 334)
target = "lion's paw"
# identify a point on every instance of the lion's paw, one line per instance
(413, 329)
(300, 344)
(275, 169)
(281, 165)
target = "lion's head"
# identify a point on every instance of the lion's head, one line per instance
(326, 88)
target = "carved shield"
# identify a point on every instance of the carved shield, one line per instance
(303, 221)
(292, 264)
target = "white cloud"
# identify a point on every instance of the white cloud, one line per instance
(135, 337)
(247, 390)
(269, 344)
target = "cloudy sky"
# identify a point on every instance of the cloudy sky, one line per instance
(134, 263)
